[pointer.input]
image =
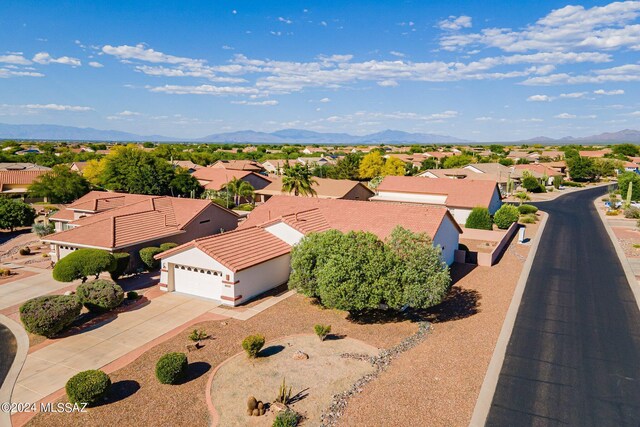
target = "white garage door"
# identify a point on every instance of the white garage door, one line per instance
(197, 281)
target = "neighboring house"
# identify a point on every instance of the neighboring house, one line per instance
(239, 165)
(187, 164)
(325, 189)
(78, 166)
(235, 267)
(17, 182)
(415, 159)
(631, 167)
(558, 166)
(540, 171)
(460, 196)
(316, 161)
(477, 171)
(314, 150)
(217, 178)
(22, 167)
(595, 153)
(277, 166)
(129, 222)
(438, 155)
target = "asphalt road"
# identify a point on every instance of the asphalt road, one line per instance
(574, 356)
(8, 348)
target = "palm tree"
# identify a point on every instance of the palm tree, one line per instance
(238, 189)
(298, 180)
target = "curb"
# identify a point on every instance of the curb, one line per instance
(12, 376)
(624, 262)
(485, 397)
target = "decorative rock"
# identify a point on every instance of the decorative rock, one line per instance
(278, 407)
(300, 355)
(69, 293)
(223, 323)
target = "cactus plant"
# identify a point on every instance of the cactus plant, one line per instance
(252, 403)
(283, 395)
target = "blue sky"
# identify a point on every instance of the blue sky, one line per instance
(480, 70)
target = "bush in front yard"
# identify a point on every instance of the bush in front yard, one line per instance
(50, 314)
(147, 254)
(121, 264)
(83, 263)
(88, 387)
(479, 218)
(253, 344)
(25, 251)
(527, 209)
(505, 216)
(322, 331)
(167, 246)
(632, 212)
(100, 295)
(172, 368)
(286, 418)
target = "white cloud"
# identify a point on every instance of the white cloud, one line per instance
(285, 20)
(573, 95)
(483, 119)
(539, 98)
(204, 90)
(565, 116)
(325, 100)
(7, 73)
(95, 64)
(44, 58)
(127, 113)
(455, 23)
(268, 103)
(396, 53)
(13, 58)
(622, 73)
(56, 107)
(142, 53)
(226, 47)
(609, 92)
(388, 83)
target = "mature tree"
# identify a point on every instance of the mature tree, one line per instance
(93, 171)
(132, 170)
(298, 180)
(628, 150)
(240, 189)
(457, 161)
(497, 148)
(606, 167)
(185, 185)
(371, 165)
(627, 178)
(393, 166)
(346, 168)
(15, 213)
(504, 161)
(60, 185)
(429, 163)
(581, 169)
(83, 263)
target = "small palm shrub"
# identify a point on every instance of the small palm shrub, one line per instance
(172, 368)
(49, 314)
(286, 418)
(100, 296)
(253, 344)
(505, 216)
(147, 254)
(168, 245)
(88, 387)
(527, 209)
(121, 264)
(322, 331)
(479, 218)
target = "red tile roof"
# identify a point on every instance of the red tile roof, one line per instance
(324, 187)
(241, 165)
(540, 168)
(19, 177)
(99, 201)
(464, 193)
(218, 178)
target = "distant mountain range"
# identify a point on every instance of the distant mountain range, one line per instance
(285, 136)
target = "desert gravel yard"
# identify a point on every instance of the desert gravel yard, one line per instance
(139, 400)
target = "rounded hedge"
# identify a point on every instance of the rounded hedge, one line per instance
(88, 387)
(167, 246)
(147, 254)
(121, 264)
(83, 263)
(100, 295)
(527, 209)
(172, 368)
(505, 216)
(50, 314)
(253, 344)
(479, 218)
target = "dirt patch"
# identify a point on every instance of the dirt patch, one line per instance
(479, 245)
(314, 381)
(143, 401)
(629, 239)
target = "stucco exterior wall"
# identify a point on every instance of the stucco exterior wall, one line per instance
(261, 278)
(434, 199)
(447, 238)
(359, 192)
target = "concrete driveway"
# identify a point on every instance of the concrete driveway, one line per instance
(48, 369)
(17, 292)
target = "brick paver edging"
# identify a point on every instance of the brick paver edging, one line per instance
(485, 397)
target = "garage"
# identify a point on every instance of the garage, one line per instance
(198, 281)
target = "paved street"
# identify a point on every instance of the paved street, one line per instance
(574, 356)
(8, 348)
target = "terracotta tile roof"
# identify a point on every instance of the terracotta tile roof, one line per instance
(539, 168)
(238, 249)
(324, 187)
(153, 218)
(63, 215)
(99, 201)
(465, 193)
(187, 164)
(19, 177)
(241, 165)
(22, 166)
(217, 178)
(462, 173)
(595, 153)
(347, 215)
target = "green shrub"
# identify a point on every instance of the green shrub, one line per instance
(528, 219)
(198, 335)
(245, 207)
(88, 387)
(100, 295)
(83, 263)
(147, 254)
(132, 295)
(121, 264)
(527, 209)
(25, 251)
(49, 314)
(322, 331)
(572, 184)
(632, 212)
(41, 229)
(286, 418)
(505, 216)
(557, 182)
(168, 245)
(172, 368)
(5, 272)
(531, 184)
(479, 218)
(253, 344)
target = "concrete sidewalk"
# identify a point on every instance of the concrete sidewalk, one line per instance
(17, 292)
(48, 369)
